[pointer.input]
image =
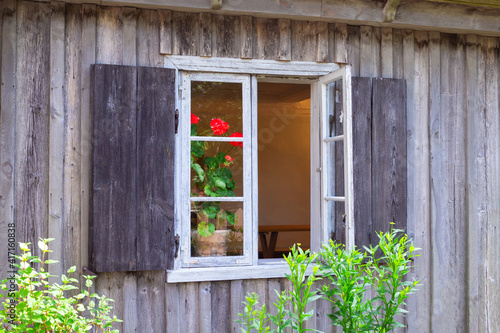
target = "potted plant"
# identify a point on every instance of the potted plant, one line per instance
(212, 177)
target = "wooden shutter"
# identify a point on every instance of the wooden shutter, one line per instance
(133, 192)
(380, 170)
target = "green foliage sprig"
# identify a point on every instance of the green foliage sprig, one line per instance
(43, 307)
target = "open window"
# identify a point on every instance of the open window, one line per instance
(264, 148)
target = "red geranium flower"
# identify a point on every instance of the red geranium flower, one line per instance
(219, 126)
(229, 158)
(236, 135)
(194, 119)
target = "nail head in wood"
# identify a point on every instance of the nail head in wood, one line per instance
(216, 4)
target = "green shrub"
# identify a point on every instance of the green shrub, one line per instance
(37, 306)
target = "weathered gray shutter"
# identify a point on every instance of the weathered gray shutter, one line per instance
(380, 170)
(133, 192)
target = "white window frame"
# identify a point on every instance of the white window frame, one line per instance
(318, 75)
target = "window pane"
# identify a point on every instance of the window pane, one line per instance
(216, 229)
(216, 108)
(336, 220)
(336, 172)
(335, 108)
(216, 169)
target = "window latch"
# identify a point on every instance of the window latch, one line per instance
(176, 121)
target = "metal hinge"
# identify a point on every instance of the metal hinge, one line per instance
(176, 121)
(177, 245)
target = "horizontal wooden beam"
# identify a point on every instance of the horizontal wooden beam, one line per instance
(430, 15)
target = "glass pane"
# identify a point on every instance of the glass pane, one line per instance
(335, 108)
(336, 171)
(216, 229)
(216, 108)
(216, 169)
(336, 220)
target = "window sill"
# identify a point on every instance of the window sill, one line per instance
(266, 269)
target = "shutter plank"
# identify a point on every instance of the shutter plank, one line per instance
(362, 153)
(155, 168)
(389, 154)
(114, 227)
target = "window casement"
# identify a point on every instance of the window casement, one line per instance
(147, 197)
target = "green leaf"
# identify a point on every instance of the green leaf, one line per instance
(194, 130)
(219, 183)
(199, 171)
(231, 217)
(211, 163)
(206, 229)
(197, 148)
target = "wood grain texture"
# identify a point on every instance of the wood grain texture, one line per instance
(155, 168)
(304, 41)
(109, 40)
(322, 42)
(112, 285)
(416, 73)
(72, 150)
(237, 298)
(88, 58)
(362, 153)
(221, 297)
(151, 301)
(173, 307)
(189, 307)
(56, 140)
(131, 294)
(147, 38)
(7, 131)
(246, 37)
(165, 17)
(187, 33)
(397, 54)
(370, 59)
(115, 156)
(226, 36)
(386, 52)
(285, 36)
(31, 199)
(388, 154)
(206, 34)
(353, 49)
(266, 37)
(340, 55)
(206, 306)
(448, 190)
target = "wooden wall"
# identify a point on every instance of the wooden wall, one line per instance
(453, 148)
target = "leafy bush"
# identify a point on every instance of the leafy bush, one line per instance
(37, 306)
(352, 275)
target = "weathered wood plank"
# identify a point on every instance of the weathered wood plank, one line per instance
(165, 17)
(56, 139)
(322, 42)
(386, 52)
(131, 315)
(370, 52)
(186, 33)
(148, 53)
(151, 301)
(397, 54)
(476, 180)
(114, 199)
(285, 36)
(88, 58)
(226, 36)
(266, 38)
(237, 298)
(304, 41)
(111, 285)
(490, 53)
(362, 162)
(353, 50)
(72, 129)
(173, 306)
(206, 34)
(448, 193)
(7, 133)
(416, 73)
(388, 154)
(340, 55)
(246, 37)
(273, 287)
(109, 36)
(155, 168)
(206, 306)
(190, 307)
(32, 121)
(128, 44)
(221, 300)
